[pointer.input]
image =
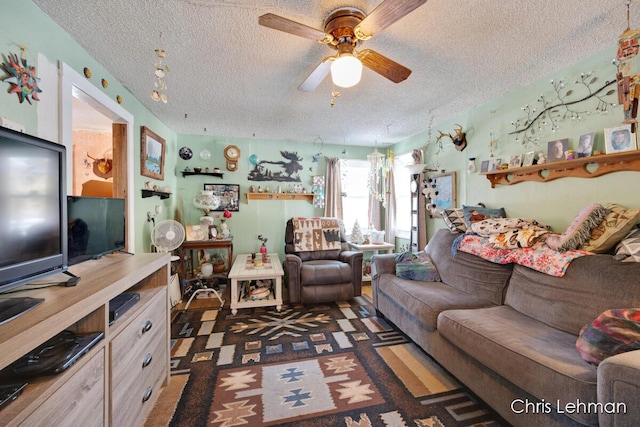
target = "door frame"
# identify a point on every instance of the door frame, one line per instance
(75, 85)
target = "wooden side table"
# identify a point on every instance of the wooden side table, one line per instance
(243, 273)
(375, 248)
(202, 244)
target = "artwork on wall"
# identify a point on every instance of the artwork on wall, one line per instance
(22, 77)
(229, 195)
(151, 154)
(278, 170)
(442, 192)
(619, 139)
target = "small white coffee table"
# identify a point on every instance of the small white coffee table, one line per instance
(243, 272)
(371, 247)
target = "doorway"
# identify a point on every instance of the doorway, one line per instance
(82, 99)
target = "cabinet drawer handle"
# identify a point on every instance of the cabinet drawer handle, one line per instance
(147, 326)
(147, 360)
(147, 394)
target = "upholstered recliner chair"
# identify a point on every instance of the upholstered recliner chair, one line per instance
(318, 266)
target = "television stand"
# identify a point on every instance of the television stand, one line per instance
(11, 308)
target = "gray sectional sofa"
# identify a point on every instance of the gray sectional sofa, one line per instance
(509, 333)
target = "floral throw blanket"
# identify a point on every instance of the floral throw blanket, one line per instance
(538, 257)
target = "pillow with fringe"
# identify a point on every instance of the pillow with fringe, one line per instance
(617, 224)
(579, 231)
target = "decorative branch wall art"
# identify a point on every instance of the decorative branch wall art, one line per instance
(560, 106)
(281, 170)
(22, 78)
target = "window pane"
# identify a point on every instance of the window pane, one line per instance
(402, 179)
(355, 193)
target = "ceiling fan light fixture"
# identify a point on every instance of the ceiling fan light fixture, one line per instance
(346, 70)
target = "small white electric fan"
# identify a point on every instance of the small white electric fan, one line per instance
(168, 235)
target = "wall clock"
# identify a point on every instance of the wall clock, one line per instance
(232, 154)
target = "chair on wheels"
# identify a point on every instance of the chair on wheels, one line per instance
(318, 266)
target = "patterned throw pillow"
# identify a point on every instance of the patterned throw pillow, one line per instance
(579, 231)
(612, 332)
(628, 250)
(416, 266)
(478, 213)
(454, 219)
(617, 224)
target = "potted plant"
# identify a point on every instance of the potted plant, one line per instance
(219, 264)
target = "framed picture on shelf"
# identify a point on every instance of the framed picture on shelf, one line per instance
(494, 164)
(556, 150)
(515, 161)
(619, 139)
(194, 233)
(445, 188)
(151, 154)
(229, 195)
(585, 144)
(484, 166)
(528, 158)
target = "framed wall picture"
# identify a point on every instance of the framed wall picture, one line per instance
(515, 161)
(585, 144)
(528, 158)
(229, 195)
(494, 164)
(151, 154)
(445, 189)
(619, 139)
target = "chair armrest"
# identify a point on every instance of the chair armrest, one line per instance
(619, 387)
(292, 266)
(380, 264)
(354, 259)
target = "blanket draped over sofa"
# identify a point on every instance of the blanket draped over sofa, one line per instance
(509, 332)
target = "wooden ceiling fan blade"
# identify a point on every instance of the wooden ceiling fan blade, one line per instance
(387, 12)
(384, 66)
(288, 26)
(317, 76)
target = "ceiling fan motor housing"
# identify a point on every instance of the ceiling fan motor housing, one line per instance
(341, 23)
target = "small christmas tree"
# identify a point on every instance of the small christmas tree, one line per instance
(356, 234)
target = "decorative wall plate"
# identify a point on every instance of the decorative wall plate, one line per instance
(185, 153)
(205, 154)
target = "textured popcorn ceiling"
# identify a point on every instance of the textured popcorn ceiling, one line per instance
(238, 79)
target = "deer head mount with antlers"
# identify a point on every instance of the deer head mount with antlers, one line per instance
(459, 139)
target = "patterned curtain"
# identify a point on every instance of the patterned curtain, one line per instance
(333, 196)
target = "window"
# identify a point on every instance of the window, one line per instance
(355, 193)
(402, 178)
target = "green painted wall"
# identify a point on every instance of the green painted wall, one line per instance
(555, 203)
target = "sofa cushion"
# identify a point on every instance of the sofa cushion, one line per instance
(325, 272)
(612, 332)
(426, 300)
(416, 266)
(478, 213)
(466, 272)
(591, 285)
(616, 225)
(628, 250)
(454, 220)
(579, 230)
(535, 357)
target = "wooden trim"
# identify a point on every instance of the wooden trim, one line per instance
(280, 196)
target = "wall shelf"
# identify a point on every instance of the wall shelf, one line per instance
(279, 196)
(582, 167)
(216, 174)
(151, 193)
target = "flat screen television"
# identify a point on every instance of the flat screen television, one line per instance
(96, 227)
(33, 205)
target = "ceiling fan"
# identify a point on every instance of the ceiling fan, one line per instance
(344, 29)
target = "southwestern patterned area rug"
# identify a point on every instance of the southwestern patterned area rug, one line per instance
(323, 365)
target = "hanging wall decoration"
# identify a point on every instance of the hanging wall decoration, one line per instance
(628, 76)
(22, 78)
(281, 171)
(318, 191)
